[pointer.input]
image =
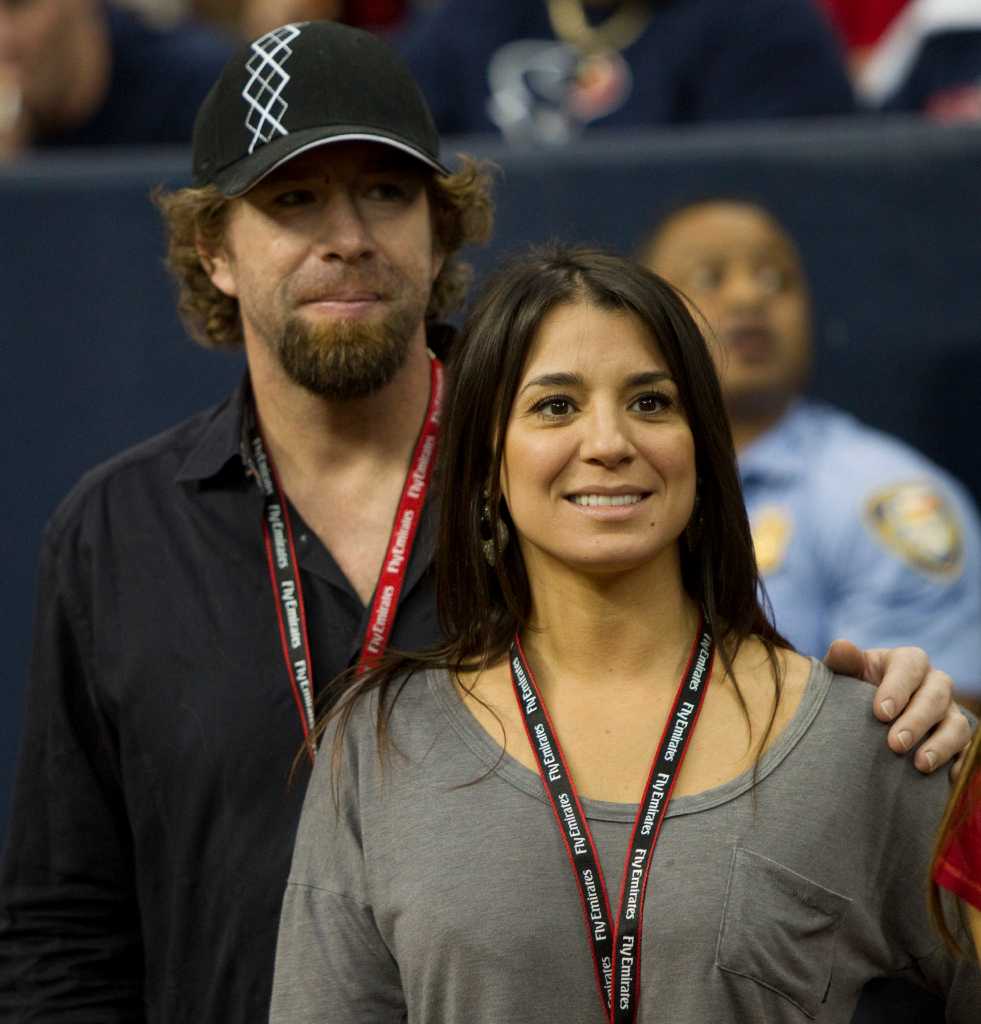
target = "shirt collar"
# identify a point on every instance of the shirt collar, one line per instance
(781, 452)
(220, 441)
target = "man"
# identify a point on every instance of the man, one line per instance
(87, 73)
(855, 532)
(196, 590)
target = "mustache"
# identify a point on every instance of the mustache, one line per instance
(345, 284)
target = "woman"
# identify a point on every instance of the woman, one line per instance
(957, 852)
(599, 594)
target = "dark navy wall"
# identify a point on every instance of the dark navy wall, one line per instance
(94, 358)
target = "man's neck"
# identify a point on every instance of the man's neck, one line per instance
(747, 427)
(343, 464)
(310, 437)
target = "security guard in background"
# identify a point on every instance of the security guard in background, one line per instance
(856, 533)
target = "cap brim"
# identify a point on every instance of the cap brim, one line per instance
(248, 172)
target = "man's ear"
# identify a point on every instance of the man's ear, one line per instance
(217, 263)
(439, 258)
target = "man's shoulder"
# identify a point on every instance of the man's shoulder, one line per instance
(863, 482)
(149, 467)
(856, 457)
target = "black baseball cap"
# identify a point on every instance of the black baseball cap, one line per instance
(304, 85)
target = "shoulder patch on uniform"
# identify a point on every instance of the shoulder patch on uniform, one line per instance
(772, 528)
(917, 523)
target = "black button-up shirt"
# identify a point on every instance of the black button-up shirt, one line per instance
(154, 810)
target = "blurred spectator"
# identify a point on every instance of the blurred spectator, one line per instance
(861, 23)
(855, 532)
(929, 61)
(251, 18)
(542, 70)
(84, 73)
(915, 55)
(259, 16)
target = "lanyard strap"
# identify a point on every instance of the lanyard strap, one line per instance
(616, 954)
(283, 565)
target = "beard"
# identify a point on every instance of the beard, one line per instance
(346, 360)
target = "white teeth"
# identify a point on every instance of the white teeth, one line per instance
(606, 499)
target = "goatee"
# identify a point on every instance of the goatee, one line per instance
(346, 360)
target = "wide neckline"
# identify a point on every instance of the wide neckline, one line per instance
(494, 758)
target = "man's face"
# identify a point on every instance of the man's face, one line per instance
(744, 275)
(332, 259)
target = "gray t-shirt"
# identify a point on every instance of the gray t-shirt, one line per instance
(440, 890)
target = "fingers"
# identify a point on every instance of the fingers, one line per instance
(844, 658)
(931, 708)
(901, 674)
(895, 671)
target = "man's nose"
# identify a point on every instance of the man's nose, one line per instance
(744, 289)
(344, 234)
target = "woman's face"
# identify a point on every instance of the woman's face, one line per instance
(598, 469)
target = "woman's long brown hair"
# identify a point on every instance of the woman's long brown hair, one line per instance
(481, 607)
(964, 800)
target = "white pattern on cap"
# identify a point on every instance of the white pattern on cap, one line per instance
(267, 80)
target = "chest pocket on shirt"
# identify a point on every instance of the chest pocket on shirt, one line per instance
(778, 929)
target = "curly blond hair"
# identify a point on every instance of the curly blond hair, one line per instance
(462, 214)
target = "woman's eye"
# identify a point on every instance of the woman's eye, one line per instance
(553, 408)
(652, 403)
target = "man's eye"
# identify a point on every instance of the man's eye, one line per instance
(294, 197)
(772, 279)
(389, 191)
(706, 277)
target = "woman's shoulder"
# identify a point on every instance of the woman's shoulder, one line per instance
(400, 723)
(847, 740)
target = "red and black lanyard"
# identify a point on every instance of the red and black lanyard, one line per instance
(616, 954)
(283, 567)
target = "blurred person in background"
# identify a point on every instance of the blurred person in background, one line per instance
(542, 71)
(258, 16)
(916, 56)
(86, 73)
(854, 530)
(860, 24)
(251, 18)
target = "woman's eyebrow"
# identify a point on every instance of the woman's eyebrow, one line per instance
(639, 380)
(555, 380)
(572, 380)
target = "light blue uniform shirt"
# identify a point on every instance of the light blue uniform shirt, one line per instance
(860, 536)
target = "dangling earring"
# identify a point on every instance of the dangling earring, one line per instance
(492, 546)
